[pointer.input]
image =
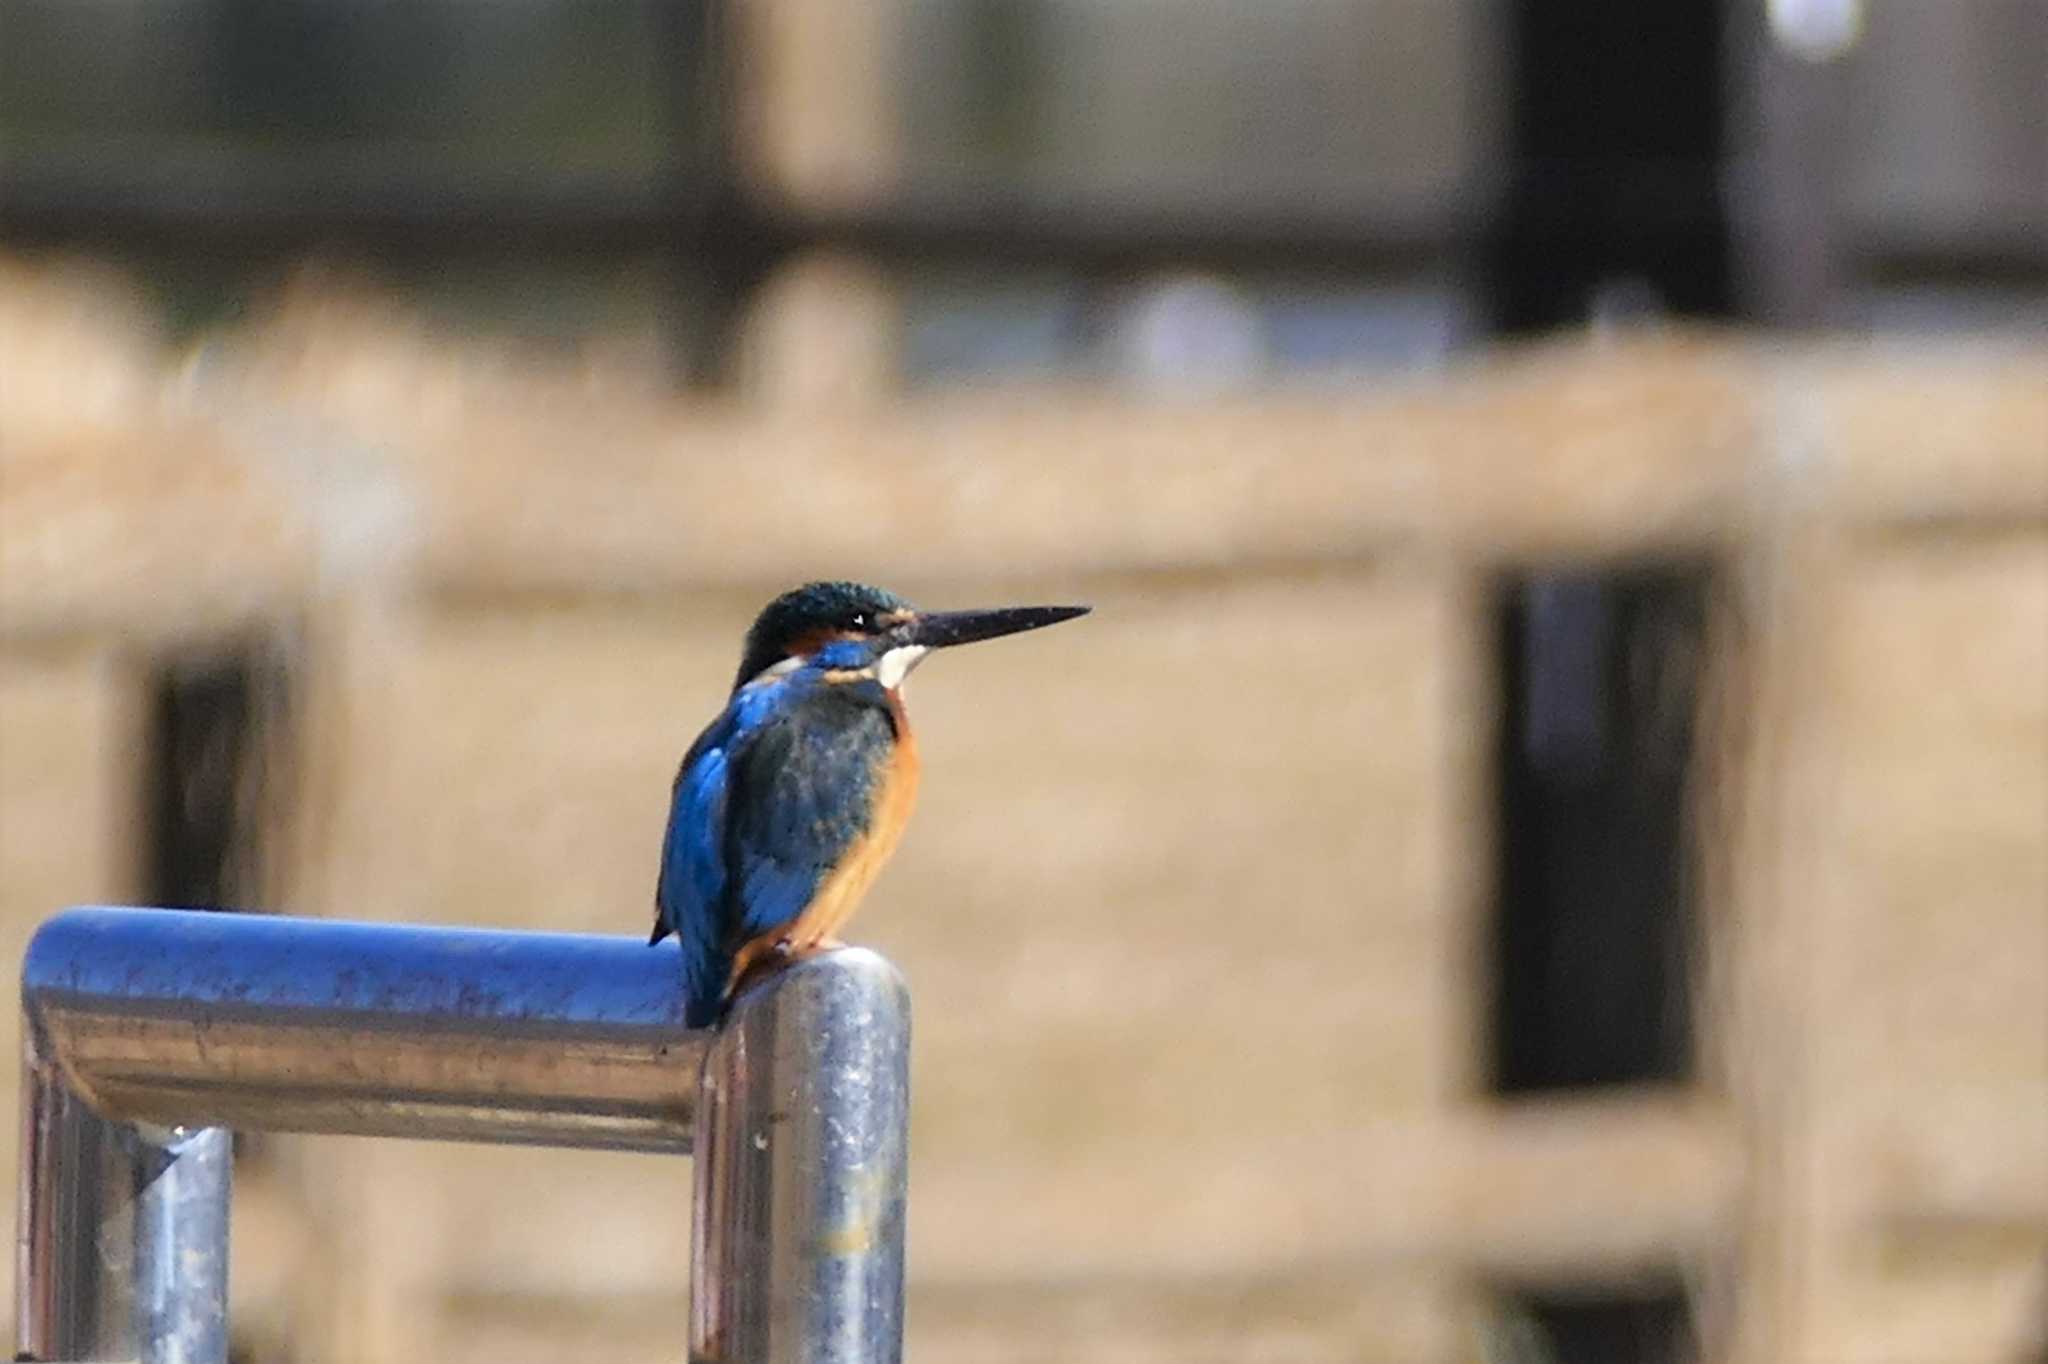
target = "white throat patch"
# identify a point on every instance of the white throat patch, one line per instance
(894, 666)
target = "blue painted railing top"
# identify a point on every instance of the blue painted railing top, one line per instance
(226, 964)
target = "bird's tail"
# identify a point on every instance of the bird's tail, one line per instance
(705, 969)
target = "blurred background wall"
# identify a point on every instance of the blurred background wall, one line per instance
(1541, 855)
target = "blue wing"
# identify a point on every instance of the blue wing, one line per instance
(767, 801)
(690, 893)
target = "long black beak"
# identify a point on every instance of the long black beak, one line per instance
(942, 629)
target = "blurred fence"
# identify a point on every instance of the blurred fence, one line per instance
(1201, 910)
(1553, 850)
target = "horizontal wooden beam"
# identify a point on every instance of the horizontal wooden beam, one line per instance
(335, 447)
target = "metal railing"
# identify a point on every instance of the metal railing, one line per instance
(150, 1034)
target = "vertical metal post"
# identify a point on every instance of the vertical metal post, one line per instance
(121, 1250)
(66, 1295)
(802, 1163)
(181, 1249)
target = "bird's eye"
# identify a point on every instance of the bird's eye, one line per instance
(860, 620)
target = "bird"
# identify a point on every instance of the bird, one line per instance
(788, 805)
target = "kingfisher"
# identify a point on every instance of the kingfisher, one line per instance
(789, 803)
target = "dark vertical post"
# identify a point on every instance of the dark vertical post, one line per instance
(1614, 203)
(1618, 162)
(214, 765)
(1616, 136)
(1600, 685)
(733, 239)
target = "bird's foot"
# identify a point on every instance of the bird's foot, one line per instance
(763, 957)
